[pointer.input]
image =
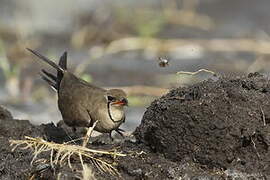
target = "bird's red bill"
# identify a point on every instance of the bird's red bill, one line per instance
(119, 103)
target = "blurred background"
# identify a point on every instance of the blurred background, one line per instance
(117, 43)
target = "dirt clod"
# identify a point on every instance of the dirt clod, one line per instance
(216, 124)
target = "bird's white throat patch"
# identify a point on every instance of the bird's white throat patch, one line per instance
(116, 113)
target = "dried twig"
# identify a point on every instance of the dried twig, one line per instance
(254, 146)
(88, 134)
(196, 72)
(263, 117)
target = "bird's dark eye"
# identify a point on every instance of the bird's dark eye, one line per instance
(125, 101)
(111, 98)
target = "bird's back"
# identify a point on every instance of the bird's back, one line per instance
(77, 100)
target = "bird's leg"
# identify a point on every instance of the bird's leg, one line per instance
(71, 139)
(88, 134)
(119, 131)
(111, 136)
(74, 129)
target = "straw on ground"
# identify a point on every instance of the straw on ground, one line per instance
(61, 153)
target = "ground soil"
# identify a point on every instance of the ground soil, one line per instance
(211, 130)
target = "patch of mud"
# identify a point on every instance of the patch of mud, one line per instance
(216, 125)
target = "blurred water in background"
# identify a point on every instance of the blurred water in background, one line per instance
(117, 44)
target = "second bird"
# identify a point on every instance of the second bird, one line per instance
(81, 103)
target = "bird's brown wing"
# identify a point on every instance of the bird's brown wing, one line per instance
(78, 102)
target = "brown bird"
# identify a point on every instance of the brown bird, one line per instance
(81, 103)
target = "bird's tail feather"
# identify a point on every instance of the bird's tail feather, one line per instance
(45, 59)
(53, 80)
(50, 75)
(63, 64)
(49, 81)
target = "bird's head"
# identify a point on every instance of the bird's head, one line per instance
(117, 97)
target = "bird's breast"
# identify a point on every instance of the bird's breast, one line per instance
(116, 114)
(108, 122)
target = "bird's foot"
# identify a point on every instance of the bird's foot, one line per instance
(119, 131)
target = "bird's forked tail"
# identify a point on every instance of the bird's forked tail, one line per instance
(53, 80)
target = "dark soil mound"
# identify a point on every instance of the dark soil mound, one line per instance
(222, 124)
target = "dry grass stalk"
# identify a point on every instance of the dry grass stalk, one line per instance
(88, 134)
(196, 72)
(255, 148)
(61, 153)
(263, 117)
(87, 173)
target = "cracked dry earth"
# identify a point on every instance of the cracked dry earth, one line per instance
(211, 130)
